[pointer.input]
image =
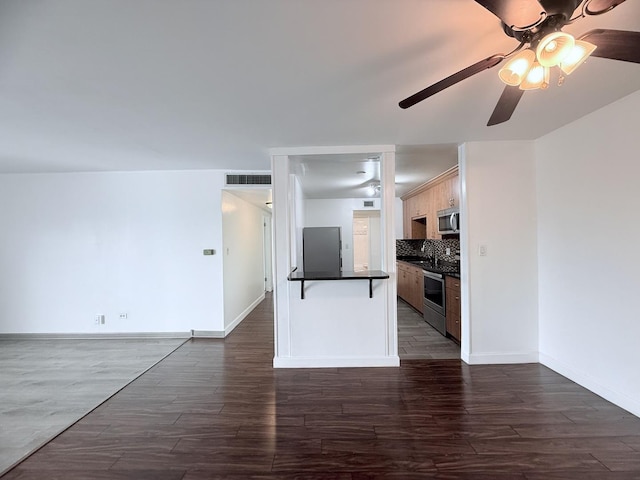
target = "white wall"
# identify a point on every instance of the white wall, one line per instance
(500, 306)
(243, 258)
(298, 218)
(337, 212)
(399, 218)
(589, 260)
(77, 245)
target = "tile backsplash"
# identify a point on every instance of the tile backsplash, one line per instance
(439, 247)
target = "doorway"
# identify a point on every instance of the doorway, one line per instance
(367, 247)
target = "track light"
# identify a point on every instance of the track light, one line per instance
(553, 48)
(577, 56)
(516, 69)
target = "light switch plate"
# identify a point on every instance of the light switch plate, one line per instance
(209, 251)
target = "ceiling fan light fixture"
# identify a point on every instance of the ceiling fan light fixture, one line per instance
(517, 68)
(538, 77)
(578, 54)
(553, 48)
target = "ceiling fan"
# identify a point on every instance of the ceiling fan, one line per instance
(537, 25)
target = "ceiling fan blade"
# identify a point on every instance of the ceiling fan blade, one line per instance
(597, 7)
(506, 105)
(615, 44)
(488, 62)
(518, 13)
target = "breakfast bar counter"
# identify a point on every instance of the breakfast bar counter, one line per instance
(370, 275)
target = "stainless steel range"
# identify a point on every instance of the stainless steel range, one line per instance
(434, 300)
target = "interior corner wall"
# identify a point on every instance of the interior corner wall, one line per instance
(588, 237)
(499, 289)
(243, 258)
(77, 245)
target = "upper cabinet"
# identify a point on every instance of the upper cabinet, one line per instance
(421, 205)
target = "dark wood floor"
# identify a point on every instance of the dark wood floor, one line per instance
(215, 409)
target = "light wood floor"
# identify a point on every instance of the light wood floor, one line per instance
(47, 385)
(216, 409)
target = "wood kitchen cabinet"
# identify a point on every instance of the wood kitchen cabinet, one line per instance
(452, 299)
(410, 284)
(421, 205)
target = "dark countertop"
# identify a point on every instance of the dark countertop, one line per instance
(445, 268)
(297, 276)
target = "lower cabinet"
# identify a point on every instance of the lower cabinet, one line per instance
(452, 297)
(410, 284)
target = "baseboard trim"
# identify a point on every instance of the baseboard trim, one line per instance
(93, 336)
(335, 362)
(207, 334)
(591, 383)
(228, 329)
(500, 358)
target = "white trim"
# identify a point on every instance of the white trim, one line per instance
(229, 328)
(207, 333)
(388, 245)
(589, 382)
(333, 362)
(500, 358)
(92, 336)
(332, 150)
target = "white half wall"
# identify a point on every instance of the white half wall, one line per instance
(77, 245)
(589, 260)
(499, 289)
(243, 258)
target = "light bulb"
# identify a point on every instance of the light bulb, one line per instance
(538, 77)
(578, 54)
(516, 69)
(553, 48)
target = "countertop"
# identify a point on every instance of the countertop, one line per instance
(445, 268)
(370, 275)
(297, 275)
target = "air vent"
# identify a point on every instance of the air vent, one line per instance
(368, 203)
(248, 179)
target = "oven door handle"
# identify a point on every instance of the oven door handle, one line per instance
(435, 276)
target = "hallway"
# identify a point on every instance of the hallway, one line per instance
(217, 409)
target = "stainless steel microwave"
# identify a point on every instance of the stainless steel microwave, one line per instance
(449, 221)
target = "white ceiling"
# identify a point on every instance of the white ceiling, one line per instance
(188, 84)
(351, 176)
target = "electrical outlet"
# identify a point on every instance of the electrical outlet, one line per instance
(448, 251)
(482, 250)
(123, 316)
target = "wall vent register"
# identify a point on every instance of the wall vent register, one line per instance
(247, 179)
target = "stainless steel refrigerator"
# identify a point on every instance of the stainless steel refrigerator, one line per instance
(321, 249)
